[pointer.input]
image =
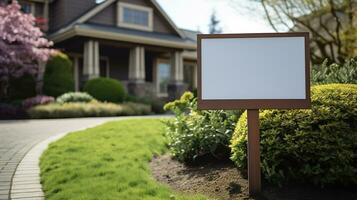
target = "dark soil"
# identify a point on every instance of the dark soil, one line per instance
(221, 180)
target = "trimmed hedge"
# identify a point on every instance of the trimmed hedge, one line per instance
(105, 89)
(315, 146)
(72, 97)
(58, 78)
(92, 109)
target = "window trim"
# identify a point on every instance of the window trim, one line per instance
(120, 16)
(156, 78)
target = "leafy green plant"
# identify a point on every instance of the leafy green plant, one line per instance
(194, 134)
(334, 73)
(71, 97)
(58, 78)
(92, 109)
(316, 146)
(106, 89)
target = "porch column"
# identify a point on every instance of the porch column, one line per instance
(136, 85)
(91, 60)
(46, 14)
(39, 77)
(76, 74)
(195, 77)
(176, 86)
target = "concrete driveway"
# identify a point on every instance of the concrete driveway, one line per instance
(18, 137)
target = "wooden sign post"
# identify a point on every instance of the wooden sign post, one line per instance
(252, 72)
(253, 152)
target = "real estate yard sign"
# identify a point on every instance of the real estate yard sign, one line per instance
(254, 71)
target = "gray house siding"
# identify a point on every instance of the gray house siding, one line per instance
(109, 16)
(106, 17)
(62, 12)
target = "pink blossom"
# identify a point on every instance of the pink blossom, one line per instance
(37, 100)
(22, 45)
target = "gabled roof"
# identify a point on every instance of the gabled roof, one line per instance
(107, 3)
(124, 34)
(190, 35)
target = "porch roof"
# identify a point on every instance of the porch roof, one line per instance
(123, 34)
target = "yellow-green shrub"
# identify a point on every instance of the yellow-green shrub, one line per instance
(317, 146)
(92, 109)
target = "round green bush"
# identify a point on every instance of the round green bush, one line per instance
(72, 97)
(58, 78)
(309, 146)
(105, 89)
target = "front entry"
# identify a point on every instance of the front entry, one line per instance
(163, 75)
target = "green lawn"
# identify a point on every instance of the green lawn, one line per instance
(107, 162)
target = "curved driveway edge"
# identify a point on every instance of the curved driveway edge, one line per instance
(26, 181)
(21, 145)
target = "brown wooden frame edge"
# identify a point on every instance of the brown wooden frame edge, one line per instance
(226, 104)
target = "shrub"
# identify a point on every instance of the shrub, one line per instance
(37, 100)
(10, 111)
(58, 78)
(334, 73)
(156, 104)
(195, 134)
(105, 89)
(72, 97)
(22, 88)
(316, 146)
(92, 109)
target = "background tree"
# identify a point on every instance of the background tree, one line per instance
(332, 24)
(214, 24)
(22, 45)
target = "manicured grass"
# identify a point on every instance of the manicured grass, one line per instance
(107, 162)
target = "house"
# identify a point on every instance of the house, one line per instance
(133, 41)
(330, 29)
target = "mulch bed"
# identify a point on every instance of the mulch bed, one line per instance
(222, 180)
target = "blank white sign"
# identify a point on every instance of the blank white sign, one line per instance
(253, 68)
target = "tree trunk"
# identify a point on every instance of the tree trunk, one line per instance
(4, 86)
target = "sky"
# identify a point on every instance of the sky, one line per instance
(234, 17)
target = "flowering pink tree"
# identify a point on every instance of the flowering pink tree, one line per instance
(22, 45)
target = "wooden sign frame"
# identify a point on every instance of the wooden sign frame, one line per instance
(253, 105)
(227, 104)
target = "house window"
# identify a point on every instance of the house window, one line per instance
(27, 7)
(163, 73)
(134, 16)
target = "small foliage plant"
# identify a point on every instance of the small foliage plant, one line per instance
(335, 73)
(315, 146)
(75, 97)
(106, 90)
(194, 134)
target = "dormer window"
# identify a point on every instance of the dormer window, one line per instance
(135, 16)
